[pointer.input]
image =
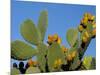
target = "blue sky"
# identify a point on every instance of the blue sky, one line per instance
(61, 17)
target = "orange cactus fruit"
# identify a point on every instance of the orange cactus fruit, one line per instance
(64, 49)
(80, 28)
(35, 63)
(83, 23)
(86, 15)
(86, 34)
(59, 40)
(30, 62)
(89, 15)
(94, 32)
(84, 39)
(59, 62)
(94, 25)
(85, 20)
(69, 57)
(92, 17)
(55, 37)
(73, 54)
(50, 38)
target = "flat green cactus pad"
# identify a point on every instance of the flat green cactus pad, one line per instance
(41, 56)
(22, 51)
(43, 23)
(89, 62)
(72, 36)
(30, 32)
(55, 53)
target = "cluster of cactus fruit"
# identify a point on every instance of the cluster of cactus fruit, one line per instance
(53, 56)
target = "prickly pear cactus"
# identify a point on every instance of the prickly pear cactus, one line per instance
(52, 55)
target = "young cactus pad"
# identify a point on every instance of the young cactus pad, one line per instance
(72, 36)
(43, 23)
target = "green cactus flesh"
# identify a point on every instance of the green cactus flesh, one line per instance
(22, 51)
(30, 32)
(72, 36)
(43, 23)
(41, 56)
(54, 53)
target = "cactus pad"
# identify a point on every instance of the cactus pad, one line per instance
(22, 51)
